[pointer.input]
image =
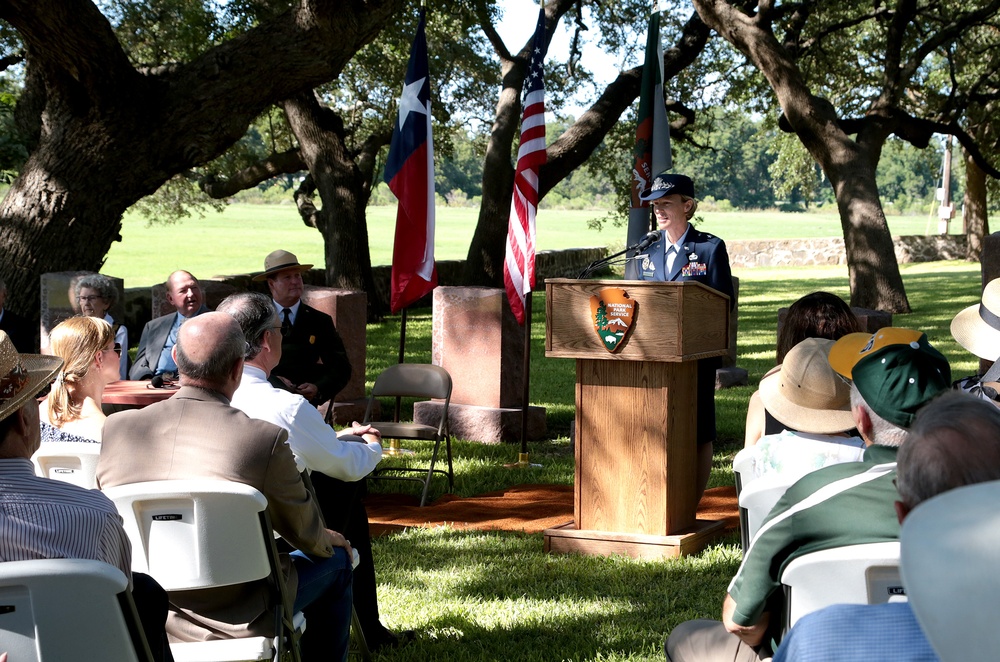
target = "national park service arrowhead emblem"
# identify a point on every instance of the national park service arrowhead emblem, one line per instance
(613, 312)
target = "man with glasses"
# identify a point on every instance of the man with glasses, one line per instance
(338, 462)
(154, 356)
(314, 363)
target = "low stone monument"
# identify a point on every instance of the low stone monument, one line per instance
(349, 310)
(477, 340)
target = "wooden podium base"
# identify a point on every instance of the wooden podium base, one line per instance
(566, 539)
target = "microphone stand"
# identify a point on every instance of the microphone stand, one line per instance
(604, 261)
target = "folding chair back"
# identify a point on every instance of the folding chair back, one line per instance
(856, 574)
(950, 553)
(197, 534)
(69, 461)
(68, 609)
(758, 498)
(414, 380)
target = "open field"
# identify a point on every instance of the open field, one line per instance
(237, 240)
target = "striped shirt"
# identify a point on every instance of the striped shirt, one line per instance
(42, 518)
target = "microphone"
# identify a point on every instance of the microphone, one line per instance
(156, 381)
(648, 240)
(644, 243)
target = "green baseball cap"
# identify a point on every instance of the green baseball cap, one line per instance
(898, 379)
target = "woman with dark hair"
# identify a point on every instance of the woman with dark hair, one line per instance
(816, 315)
(96, 294)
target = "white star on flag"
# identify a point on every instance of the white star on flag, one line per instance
(409, 102)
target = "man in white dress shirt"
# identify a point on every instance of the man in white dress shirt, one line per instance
(337, 462)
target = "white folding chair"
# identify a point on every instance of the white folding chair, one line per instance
(68, 609)
(69, 461)
(856, 574)
(199, 534)
(757, 499)
(950, 553)
(413, 380)
(742, 465)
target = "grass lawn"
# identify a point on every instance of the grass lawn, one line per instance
(475, 596)
(497, 596)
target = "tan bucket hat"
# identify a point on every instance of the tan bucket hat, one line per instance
(977, 328)
(806, 394)
(22, 376)
(280, 260)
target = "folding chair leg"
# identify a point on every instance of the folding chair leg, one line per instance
(359, 647)
(430, 473)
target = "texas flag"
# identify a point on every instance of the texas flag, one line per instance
(409, 172)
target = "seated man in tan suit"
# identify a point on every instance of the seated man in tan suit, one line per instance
(197, 434)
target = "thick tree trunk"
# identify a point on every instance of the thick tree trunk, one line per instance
(870, 252)
(850, 166)
(112, 135)
(344, 190)
(974, 210)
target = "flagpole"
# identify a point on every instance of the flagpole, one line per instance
(402, 352)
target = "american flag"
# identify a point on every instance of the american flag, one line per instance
(519, 264)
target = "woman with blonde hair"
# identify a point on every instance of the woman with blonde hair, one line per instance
(72, 412)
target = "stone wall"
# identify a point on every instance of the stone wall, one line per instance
(811, 252)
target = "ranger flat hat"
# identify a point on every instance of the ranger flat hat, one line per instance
(280, 260)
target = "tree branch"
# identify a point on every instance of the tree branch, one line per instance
(276, 164)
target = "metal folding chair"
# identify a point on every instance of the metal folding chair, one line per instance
(413, 380)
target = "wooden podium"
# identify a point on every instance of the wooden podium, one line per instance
(636, 454)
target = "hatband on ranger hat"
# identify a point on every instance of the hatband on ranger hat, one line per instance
(806, 394)
(977, 328)
(22, 376)
(280, 260)
(667, 183)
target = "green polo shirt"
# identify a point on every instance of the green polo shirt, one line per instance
(836, 506)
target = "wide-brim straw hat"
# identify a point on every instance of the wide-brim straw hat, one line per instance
(280, 260)
(806, 394)
(22, 376)
(977, 328)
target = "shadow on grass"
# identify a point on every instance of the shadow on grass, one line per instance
(490, 596)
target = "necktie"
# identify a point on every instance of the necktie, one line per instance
(670, 258)
(286, 322)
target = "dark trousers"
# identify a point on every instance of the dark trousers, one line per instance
(151, 604)
(343, 509)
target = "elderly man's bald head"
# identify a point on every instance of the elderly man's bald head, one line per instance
(210, 350)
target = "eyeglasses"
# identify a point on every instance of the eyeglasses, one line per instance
(117, 349)
(89, 297)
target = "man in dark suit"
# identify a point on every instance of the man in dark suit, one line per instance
(18, 328)
(314, 363)
(159, 335)
(683, 253)
(197, 434)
